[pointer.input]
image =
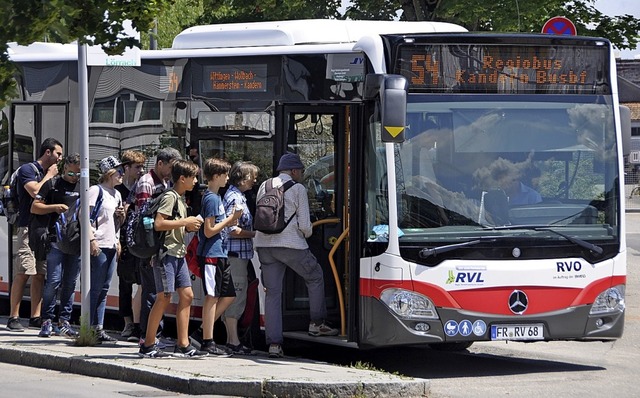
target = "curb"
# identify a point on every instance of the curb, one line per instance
(194, 385)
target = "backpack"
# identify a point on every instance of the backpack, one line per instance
(67, 227)
(269, 217)
(192, 258)
(11, 203)
(143, 240)
(133, 217)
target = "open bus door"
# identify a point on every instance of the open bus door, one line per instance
(29, 123)
(320, 135)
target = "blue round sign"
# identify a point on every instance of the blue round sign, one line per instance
(559, 26)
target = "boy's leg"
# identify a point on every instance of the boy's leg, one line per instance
(185, 297)
(224, 289)
(182, 283)
(164, 278)
(208, 316)
(155, 315)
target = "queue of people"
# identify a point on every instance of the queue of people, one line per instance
(226, 241)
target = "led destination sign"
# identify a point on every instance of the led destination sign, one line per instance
(493, 68)
(235, 78)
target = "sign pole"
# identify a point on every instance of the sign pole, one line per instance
(83, 115)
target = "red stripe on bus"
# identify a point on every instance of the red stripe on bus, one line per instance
(495, 300)
(4, 287)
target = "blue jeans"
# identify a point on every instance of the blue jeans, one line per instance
(102, 268)
(62, 273)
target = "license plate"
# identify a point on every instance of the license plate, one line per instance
(517, 332)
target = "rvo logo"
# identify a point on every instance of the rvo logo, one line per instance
(357, 61)
(564, 266)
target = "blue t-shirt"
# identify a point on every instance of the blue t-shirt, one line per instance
(26, 174)
(216, 245)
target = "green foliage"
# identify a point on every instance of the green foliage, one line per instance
(95, 22)
(505, 16)
(180, 15)
(87, 335)
(225, 11)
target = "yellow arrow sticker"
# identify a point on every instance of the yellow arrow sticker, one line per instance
(394, 131)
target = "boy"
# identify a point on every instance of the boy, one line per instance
(170, 269)
(216, 276)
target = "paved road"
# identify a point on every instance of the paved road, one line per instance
(19, 381)
(499, 369)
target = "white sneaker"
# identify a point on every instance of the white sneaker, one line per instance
(275, 351)
(321, 330)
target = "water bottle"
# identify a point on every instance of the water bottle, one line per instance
(148, 223)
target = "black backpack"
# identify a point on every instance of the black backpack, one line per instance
(143, 240)
(269, 217)
(11, 203)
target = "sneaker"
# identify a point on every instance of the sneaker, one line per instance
(152, 352)
(103, 337)
(135, 334)
(128, 329)
(14, 325)
(162, 340)
(321, 330)
(275, 351)
(189, 352)
(217, 350)
(35, 322)
(46, 329)
(196, 338)
(65, 330)
(239, 349)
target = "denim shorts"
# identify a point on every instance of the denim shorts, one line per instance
(171, 274)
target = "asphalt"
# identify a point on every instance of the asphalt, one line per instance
(246, 376)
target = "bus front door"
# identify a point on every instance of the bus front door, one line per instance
(320, 135)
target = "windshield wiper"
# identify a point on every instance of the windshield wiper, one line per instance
(434, 251)
(577, 241)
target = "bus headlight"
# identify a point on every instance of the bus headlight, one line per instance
(409, 305)
(611, 300)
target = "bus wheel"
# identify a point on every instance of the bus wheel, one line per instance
(457, 346)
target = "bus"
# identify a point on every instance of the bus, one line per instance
(463, 187)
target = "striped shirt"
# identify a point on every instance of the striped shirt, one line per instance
(296, 205)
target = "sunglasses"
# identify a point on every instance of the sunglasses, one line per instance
(72, 174)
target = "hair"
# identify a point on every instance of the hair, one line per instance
(71, 159)
(49, 144)
(133, 156)
(168, 155)
(106, 175)
(214, 167)
(241, 171)
(183, 168)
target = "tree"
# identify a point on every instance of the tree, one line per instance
(180, 15)
(95, 22)
(505, 16)
(225, 11)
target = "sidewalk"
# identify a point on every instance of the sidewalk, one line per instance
(247, 376)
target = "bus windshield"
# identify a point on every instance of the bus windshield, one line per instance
(472, 164)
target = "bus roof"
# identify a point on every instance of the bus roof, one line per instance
(243, 39)
(298, 32)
